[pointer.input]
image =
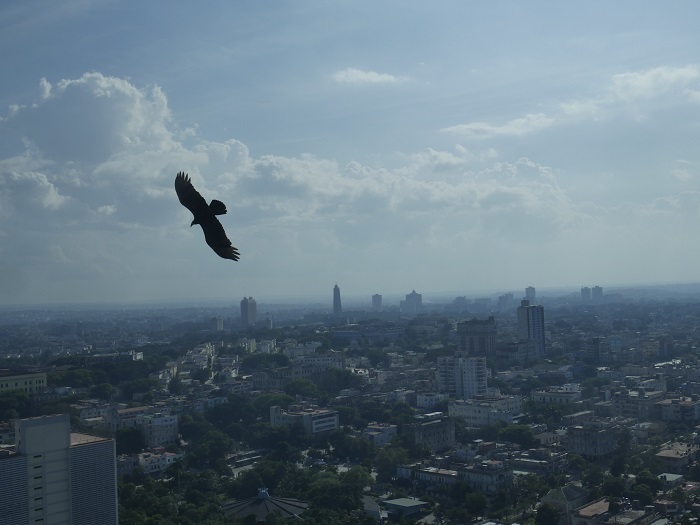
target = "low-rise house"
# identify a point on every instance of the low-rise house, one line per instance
(380, 433)
(312, 420)
(593, 439)
(152, 463)
(567, 394)
(677, 457)
(483, 411)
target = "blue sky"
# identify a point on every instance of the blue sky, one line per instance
(386, 146)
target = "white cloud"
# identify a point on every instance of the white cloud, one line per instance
(360, 77)
(653, 82)
(636, 93)
(112, 225)
(530, 123)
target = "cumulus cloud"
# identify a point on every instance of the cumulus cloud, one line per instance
(360, 77)
(93, 207)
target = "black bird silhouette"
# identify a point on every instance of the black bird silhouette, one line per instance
(205, 215)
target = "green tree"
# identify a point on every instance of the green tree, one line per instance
(129, 441)
(303, 388)
(547, 515)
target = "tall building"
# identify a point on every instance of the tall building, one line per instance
(54, 476)
(249, 311)
(597, 294)
(530, 294)
(531, 325)
(477, 337)
(337, 305)
(413, 303)
(376, 302)
(462, 377)
(585, 295)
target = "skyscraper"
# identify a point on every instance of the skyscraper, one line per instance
(597, 294)
(377, 302)
(55, 476)
(337, 306)
(531, 326)
(413, 303)
(585, 295)
(249, 311)
(530, 294)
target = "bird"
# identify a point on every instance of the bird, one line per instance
(205, 215)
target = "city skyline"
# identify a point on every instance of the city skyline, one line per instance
(470, 146)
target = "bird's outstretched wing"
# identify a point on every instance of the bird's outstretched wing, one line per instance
(189, 197)
(216, 238)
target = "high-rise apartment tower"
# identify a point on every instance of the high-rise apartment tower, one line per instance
(531, 326)
(54, 476)
(337, 305)
(249, 311)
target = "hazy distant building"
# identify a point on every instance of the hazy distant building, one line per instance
(530, 294)
(337, 305)
(477, 337)
(413, 303)
(376, 302)
(58, 477)
(505, 302)
(249, 311)
(585, 295)
(531, 325)
(597, 294)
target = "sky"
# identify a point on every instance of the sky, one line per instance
(384, 146)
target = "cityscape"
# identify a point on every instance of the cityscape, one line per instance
(511, 408)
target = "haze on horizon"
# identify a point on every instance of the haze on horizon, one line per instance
(386, 147)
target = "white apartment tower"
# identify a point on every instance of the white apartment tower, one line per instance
(55, 477)
(531, 325)
(462, 377)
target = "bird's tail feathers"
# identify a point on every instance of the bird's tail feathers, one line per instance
(217, 207)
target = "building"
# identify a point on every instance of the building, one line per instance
(376, 302)
(593, 440)
(561, 395)
(489, 477)
(676, 457)
(483, 411)
(530, 294)
(597, 294)
(566, 498)
(639, 403)
(531, 325)
(477, 337)
(27, 383)
(380, 433)
(54, 476)
(683, 410)
(249, 311)
(337, 305)
(413, 304)
(433, 431)
(312, 420)
(585, 295)
(158, 429)
(462, 377)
